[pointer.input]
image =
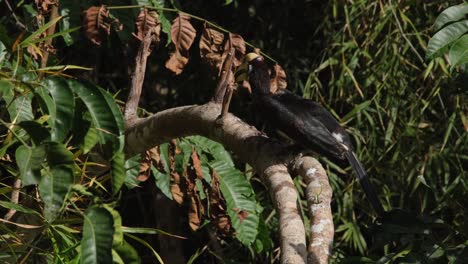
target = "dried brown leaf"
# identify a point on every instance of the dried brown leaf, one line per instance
(211, 47)
(277, 79)
(176, 63)
(238, 44)
(97, 23)
(43, 5)
(197, 165)
(194, 213)
(148, 20)
(183, 34)
(177, 189)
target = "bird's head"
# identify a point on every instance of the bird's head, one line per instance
(254, 70)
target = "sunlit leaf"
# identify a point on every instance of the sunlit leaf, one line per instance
(446, 36)
(451, 14)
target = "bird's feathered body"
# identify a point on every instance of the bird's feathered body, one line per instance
(307, 123)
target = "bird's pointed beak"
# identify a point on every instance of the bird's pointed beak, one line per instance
(242, 72)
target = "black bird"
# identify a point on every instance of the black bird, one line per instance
(306, 122)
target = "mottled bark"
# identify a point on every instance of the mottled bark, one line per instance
(267, 156)
(319, 195)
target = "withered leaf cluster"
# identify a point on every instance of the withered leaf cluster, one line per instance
(148, 21)
(183, 34)
(222, 52)
(278, 79)
(97, 23)
(190, 189)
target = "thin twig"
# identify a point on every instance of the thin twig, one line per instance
(18, 22)
(14, 198)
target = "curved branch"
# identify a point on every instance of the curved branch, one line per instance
(319, 195)
(264, 154)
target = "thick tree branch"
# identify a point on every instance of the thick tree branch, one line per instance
(264, 154)
(319, 195)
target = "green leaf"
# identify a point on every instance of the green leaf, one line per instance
(127, 253)
(19, 108)
(458, 54)
(71, 12)
(445, 37)
(212, 147)
(118, 172)
(163, 181)
(118, 233)
(132, 167)
(18, 207)
(101, 114)
(46, 103)
(29, 162)
(98, 233)
(38, 32)
(90, 140)
(240, 201)
(451, 14)
(53, 188)
(56, 179)
(3, 52)
(65, 106)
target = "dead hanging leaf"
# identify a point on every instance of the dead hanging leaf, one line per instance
(148, 20)
(211, 47)
(183, 34)
(151, 158)
(277, 79)
(238, 44)
(197, 165)
(97, 23)
(217, 211)
(43, 6)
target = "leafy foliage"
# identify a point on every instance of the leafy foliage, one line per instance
(63, 137)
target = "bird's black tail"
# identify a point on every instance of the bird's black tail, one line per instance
(364, 181)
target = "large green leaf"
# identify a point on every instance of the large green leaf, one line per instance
(57, 178)
(451, 14)
(459, 52)
(445, 37)
(98, 233)
(64, 104)
(240, 201)
(101, 113)
(29, 162)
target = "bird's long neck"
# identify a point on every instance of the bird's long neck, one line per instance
(259, 79)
